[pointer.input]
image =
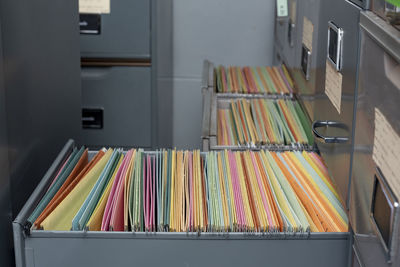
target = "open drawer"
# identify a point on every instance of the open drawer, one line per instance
(77, 248)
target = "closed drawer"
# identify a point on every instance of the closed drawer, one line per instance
(281, 32)
(124, 33)
(124, 96)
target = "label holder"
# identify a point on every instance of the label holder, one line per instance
(335, 43)
(387, 237)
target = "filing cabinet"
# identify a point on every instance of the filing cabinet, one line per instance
(375, 192)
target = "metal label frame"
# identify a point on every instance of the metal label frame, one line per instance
(394, 216)
(339, 45)
(306, 61)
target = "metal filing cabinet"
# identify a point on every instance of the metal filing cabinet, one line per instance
(336, 92)
(375, 191)
(126, 75)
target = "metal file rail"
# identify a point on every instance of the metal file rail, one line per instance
(69, 248)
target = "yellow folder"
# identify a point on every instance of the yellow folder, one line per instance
(61, 218)
(94, 223)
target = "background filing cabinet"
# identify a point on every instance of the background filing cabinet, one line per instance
(126, 75)
(375, 219)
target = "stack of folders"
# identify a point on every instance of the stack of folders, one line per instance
(263, 121)
(188, 191)
(253, 80)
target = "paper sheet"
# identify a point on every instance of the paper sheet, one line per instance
(282, 8)
(387, 150)
(94, 6)
(308, 30)
(333, 85)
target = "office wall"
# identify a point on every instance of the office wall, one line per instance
(223, 31)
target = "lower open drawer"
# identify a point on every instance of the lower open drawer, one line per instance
(92, 248)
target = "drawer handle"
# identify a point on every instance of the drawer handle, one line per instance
(329, 139)
(92, 118)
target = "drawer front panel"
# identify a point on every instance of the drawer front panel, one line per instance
(124, 96)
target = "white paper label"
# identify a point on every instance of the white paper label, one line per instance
(308, 29)
(293, 10)
(282, 8)
(94, 6)
(387, 151)
(333, 85)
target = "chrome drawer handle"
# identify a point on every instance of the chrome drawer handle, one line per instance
(329, 139)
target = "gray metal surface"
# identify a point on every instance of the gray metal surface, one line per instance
(53, 248)
(281, 34)
(41, 78)
(337, 156)
(287, 34)
(379, 46)
(208, 76)
(162, 72)
(142, 250)
(306, 90)
(277, 59)
(40, 97)
(356, 257)
(207, 98)
(204, 74)
(365, 4)
(125, 32)
(5, 195)
(125, 95)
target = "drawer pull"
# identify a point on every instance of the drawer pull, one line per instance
(92, 118)
(329, 139)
